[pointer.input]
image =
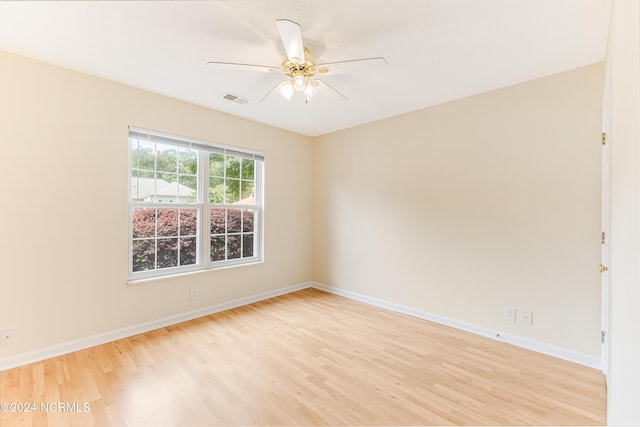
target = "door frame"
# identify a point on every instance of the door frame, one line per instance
(606, 230)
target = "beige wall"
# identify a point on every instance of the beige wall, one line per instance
(64, 206)
(623, 110)
(464, 208)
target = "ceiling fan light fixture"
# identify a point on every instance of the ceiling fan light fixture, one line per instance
(287, 90)
(299, 82)
(310, 91)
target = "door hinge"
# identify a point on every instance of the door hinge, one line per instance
(602, 335)
(603, 268)
(604, 138)
(602, 237)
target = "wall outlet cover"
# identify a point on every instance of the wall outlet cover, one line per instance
(509, 314)
(7, 336)
(526, 317)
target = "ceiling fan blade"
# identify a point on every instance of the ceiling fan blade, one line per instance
(339, 67)
(234, 66)
(291, 36)
(276, 87)
(330, 87)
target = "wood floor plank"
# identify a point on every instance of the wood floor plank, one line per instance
(306, 358)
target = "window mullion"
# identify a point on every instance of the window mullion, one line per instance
(258, 230)
(226, 230)
(155, 173)
(155, 240)
(205, 210)
(241, 221)
(130, 235)
(178, 237)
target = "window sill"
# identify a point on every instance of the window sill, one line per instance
(142, 280)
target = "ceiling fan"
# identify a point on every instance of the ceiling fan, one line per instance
(298, 65)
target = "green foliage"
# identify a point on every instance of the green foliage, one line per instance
(231, 178)
(188, 162)
(216, 190)
(248, 169)
(233, 167)
(216, 165)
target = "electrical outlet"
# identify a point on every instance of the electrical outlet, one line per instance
(509, 314)
(7, 336)
(526, 317)
(193, 294)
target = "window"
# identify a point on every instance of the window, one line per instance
(192, 205)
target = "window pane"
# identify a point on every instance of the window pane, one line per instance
(218, 221)
(166, 158)
(186, 194)
(217, 248)
(167, 222)
(144, 255)
(233, 167)
(232, 194)
(233, 247)
(167, 177)
(247, 192)
(247, 245)
(143, 155)
(216, 164)
(189, 181)
(167, 190)
(142, 173)
(188, 251)
(144, 222)
(167, 253)
(142, 185)
(188, 161)
(234, 221)
(247, 221)
(216, 190)
(188, 222)
(248, 167)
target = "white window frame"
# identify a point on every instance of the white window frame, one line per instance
(203, 205)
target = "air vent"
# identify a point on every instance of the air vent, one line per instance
(235, 98)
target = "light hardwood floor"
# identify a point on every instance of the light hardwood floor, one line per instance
(307, 358)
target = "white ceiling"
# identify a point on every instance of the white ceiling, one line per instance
(437, 50)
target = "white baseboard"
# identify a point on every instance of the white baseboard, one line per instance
(550, 350)
(84, 343)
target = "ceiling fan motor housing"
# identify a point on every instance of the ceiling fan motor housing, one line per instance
(294, 67)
